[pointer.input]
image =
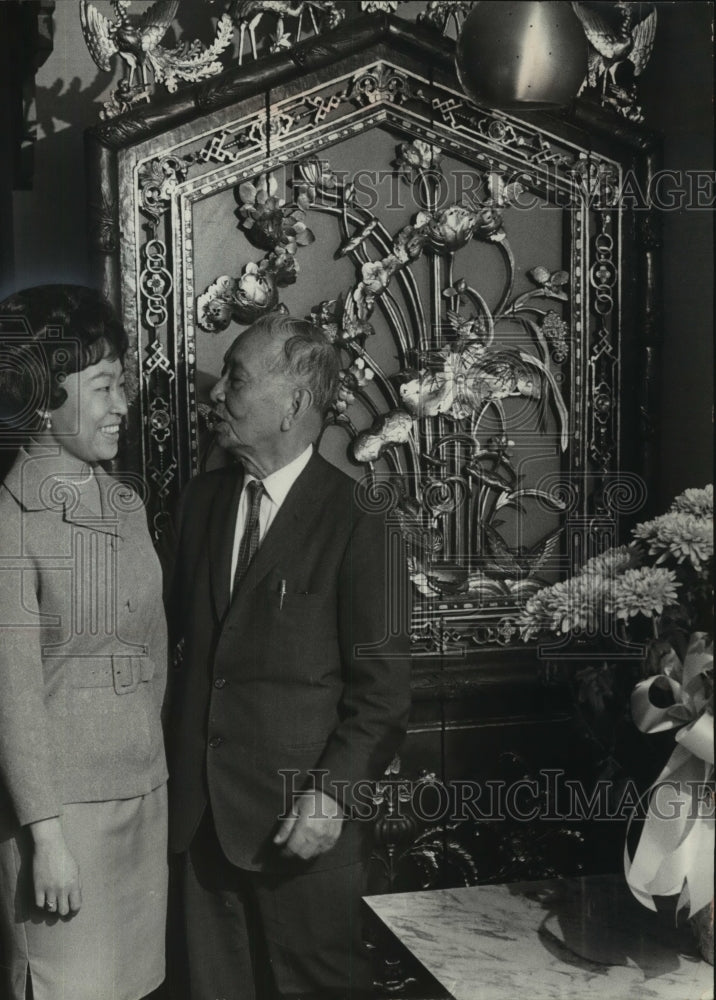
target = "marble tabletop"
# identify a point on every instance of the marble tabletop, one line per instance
(560, 939)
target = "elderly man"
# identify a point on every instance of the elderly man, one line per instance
(292, 690)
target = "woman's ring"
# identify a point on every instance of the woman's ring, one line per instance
(50, 906)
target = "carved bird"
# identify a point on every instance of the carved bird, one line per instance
(134, 38)
(621, 35)
(504, 562)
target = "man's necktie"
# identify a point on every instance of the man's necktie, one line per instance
(250, 539)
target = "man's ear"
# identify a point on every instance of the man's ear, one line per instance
(301, 403)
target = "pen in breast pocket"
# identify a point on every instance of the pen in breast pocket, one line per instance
(281, 594)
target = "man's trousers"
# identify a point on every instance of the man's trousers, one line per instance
(253, 936)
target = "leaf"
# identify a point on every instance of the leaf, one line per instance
(560, 278)
(453, 318)
(530, 359)
(523, 588)
(544, 551)
(541, 494)
(539, 337)
(489, 478)
(483, 586)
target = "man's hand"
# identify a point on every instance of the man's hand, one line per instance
(312, 828)
(55, 874)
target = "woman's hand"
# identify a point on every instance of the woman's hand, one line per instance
(55, 873)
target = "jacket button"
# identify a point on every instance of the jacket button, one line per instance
(215, 742)
(219, 683)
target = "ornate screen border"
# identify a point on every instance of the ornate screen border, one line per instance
(148, 169)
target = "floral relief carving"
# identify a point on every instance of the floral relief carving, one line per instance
(271, 224)
(380, 84)
(449, 390)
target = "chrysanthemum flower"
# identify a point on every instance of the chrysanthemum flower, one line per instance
(700, 503)
(611, 562)
(647, 591)
(681, 536)
(565, 606)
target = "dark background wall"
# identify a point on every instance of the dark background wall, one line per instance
(50, 220)
(677, 97)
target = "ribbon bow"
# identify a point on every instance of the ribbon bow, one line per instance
(675, 852)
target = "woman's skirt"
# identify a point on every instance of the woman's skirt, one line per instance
(113, 948)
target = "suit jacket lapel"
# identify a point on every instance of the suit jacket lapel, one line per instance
(222, 524)
(296, 512)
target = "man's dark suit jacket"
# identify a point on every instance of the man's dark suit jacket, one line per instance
(266, 684)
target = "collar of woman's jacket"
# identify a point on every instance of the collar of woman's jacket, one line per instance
(34, 482)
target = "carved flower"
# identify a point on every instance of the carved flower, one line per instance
(255, 293)
(350, 379)
(214, 307)
(551, 281)
(460, 378)
(556, 332)
(327, 316)
(450, 228)
(409, 243)
(500, 445)
(376, 274)
(361, 373)
(355, 328)
(269, 222)
(489, 224)
(335, 15)
(341, 324)
(469, 328)
(283, 265)
(390, 429)
(356, 314)
(314, 175)
(416, 157)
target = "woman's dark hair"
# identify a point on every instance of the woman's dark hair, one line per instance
(47, 333)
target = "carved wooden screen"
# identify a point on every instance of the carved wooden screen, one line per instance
(475, 270)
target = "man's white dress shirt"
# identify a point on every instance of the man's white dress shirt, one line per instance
(276, 487)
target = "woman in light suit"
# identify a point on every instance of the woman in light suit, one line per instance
(83, 871)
